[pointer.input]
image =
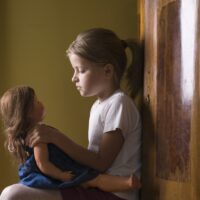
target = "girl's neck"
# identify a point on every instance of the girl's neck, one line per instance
(107, 94)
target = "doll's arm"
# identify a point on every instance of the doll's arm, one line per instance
(42, 160)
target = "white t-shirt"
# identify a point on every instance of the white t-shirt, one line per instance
(118, 111)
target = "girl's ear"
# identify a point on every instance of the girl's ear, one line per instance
(109, 70)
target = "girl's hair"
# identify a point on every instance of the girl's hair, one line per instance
(103, 46)
(100, 46)
(15, 105)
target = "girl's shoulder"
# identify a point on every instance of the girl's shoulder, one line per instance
(121, 101)
(116, 100)
(120, 97)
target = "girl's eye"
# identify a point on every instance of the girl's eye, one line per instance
(82, 71)
(79, 70)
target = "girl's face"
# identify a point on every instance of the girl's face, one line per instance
(90, 78)
(37, 113)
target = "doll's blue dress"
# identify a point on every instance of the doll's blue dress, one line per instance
(31, 176)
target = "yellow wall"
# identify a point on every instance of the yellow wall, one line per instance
(34, 36)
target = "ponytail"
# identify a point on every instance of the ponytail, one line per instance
(134, 71)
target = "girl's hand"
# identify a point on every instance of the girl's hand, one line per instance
(134, 182)
(41, 133)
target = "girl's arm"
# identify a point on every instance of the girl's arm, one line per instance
(42, 160)
(111, 183)
(109, 147)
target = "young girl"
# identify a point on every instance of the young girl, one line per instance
(99, 60)
(45, 166)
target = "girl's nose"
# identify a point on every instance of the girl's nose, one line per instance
(74, 78)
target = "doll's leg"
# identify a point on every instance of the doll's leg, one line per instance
(21, 192)
(110, 183)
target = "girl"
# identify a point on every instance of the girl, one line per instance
(99, 60)
(45, 166)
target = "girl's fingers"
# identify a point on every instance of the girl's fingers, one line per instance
(31, 141)
(41, 133)
(32, 137)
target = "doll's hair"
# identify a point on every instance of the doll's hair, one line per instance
(103, 46)
(15, 105)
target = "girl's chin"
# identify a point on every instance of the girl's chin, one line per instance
(85, 94)
(82, 93)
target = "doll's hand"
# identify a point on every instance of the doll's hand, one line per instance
(67, 176)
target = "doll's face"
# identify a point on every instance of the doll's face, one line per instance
(37, 113)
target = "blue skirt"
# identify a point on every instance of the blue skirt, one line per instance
(30, 175)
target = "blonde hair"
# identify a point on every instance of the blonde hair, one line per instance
(101, 46)
(15, 105)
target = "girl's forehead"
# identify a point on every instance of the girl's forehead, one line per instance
(77, 59)
(79, 62)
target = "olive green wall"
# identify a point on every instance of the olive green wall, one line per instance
(34, 36)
